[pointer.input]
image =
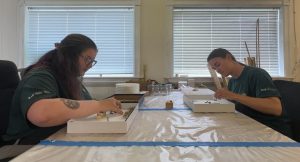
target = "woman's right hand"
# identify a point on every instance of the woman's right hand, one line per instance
(110, 104)
(225, 93)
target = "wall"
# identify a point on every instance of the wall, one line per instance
(152, 38)
(297, 17)
(297, 50)
(8, 30)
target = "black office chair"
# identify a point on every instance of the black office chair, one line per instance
(290, 92)
(9, 80)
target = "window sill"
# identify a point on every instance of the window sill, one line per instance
(197, 79)
(107, 81)
(283, 78)
(209, 79)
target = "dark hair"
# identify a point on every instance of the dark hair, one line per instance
(220, 52)
(63, 61)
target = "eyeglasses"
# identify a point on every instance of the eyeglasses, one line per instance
(88, 60)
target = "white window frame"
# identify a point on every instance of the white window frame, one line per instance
(23, 4)
(286, 9)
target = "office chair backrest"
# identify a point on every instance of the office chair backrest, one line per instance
(290, 98)
(9, 80)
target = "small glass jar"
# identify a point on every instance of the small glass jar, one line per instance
(169, 88)
(156, 90)
(163, 89)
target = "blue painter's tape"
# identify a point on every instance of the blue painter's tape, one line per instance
(170, 144)
(164, 109)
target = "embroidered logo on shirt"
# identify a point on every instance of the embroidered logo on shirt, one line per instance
(267, 89)
(38, 93)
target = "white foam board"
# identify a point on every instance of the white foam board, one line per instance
(208, 105)
(112, 124)
(198, 93)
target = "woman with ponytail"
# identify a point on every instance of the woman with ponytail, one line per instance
(251, 89)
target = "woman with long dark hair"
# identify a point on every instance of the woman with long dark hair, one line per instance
(251, 89)
(51, 92)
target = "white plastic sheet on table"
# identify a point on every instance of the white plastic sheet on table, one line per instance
(168, 126)
(160, 101)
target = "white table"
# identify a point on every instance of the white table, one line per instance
(172, 135)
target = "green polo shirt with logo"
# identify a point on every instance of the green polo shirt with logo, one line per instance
(256, 82)
(37, 84)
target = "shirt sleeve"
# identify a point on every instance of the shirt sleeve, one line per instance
(37, 87)
(262, 83)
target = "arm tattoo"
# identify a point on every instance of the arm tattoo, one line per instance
(72, 104)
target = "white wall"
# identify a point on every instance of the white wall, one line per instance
(8, 30)
(297, 17)
(153, 39)
(297, 50)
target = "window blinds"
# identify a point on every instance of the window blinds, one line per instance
(111, 28)
(197, 31)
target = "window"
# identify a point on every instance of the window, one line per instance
(111, 28)
(197, 31)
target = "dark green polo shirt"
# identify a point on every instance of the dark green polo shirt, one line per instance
(256, 82)
(37, 84)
